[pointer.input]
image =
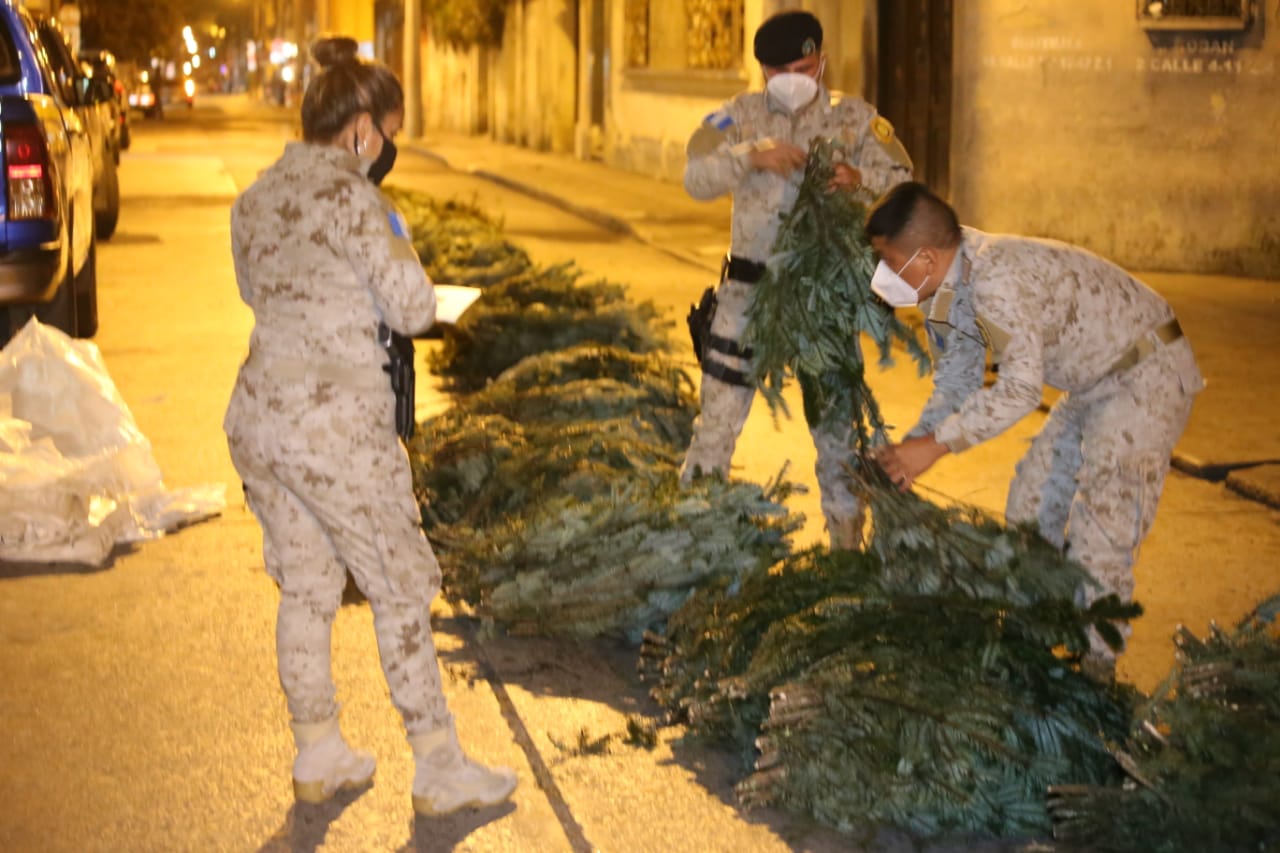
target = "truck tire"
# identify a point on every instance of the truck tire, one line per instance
(106, 219)
(60, 312)
(86, 291)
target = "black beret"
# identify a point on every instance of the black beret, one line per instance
(786, 37)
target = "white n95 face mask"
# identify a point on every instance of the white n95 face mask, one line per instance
(893, 288)
(791, 90)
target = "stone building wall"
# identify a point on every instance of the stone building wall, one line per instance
(1150, 144)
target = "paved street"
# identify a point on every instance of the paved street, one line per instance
(140, 700)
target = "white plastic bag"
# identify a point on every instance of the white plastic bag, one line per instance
(76, 475)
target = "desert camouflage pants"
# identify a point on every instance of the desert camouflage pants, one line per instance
(332, 491)
(723, 413)
(1093, 476)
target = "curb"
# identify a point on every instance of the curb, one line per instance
(1253, 491)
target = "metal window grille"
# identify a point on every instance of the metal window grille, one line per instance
(714, 30)
(1195, 14)
(636, 23)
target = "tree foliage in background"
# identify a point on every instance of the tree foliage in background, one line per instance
(464, 24)
(136, 30)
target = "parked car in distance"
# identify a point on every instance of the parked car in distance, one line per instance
(142, 94)
(48, 252)
(101, 65)
(93, 101)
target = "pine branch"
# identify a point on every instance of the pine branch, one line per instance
(807, 314)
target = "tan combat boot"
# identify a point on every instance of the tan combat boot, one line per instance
(446, 780)
(325, 764)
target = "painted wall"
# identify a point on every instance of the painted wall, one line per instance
(522, 92)
(1156, 150)
(454, 94)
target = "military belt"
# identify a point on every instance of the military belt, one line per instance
(744, 270)
(297, 370)
(728, 347)
(725, 373)
(1147, 344)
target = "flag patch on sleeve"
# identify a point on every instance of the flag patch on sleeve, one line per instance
(399, 226)
(720, 119)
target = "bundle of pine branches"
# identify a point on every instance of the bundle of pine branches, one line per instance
(457, 242)
(541, 311)
(933, 713)
(808, 312)
(930, 682)
(558, 423)
(552, 496)
(1202, 755)
(477, 471)
(619, 563)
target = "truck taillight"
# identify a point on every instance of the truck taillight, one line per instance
(27, 179)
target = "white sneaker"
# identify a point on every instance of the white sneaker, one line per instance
(446, 780)
(325, 763)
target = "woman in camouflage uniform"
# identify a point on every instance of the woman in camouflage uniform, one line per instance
(322, 258)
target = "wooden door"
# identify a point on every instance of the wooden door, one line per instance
(913, 82)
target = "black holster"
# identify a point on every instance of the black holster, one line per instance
(699, 320)
(400, 366)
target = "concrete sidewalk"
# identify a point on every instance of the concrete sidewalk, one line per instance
(1232, 437)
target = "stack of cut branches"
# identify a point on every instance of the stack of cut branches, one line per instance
(457, 242)
(559, 423)
(932, 688)
(542, 311)
(552, 496)
(1202, 757)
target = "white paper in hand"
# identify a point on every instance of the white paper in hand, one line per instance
(452, 300)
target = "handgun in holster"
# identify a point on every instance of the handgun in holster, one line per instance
(400, 366)
(699, 320)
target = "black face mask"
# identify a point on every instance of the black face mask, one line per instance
(382, 166)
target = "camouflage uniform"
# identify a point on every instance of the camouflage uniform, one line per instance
(718, 164)
(1058, 315)
(321, 258)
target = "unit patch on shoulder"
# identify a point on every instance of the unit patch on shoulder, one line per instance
(882, 130)
(710, 134)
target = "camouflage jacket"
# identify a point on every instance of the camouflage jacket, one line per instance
(718, 158)
(321, 257)
(1050, 313)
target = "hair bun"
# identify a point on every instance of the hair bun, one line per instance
(335, 50)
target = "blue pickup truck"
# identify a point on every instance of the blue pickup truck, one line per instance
(60, 181)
